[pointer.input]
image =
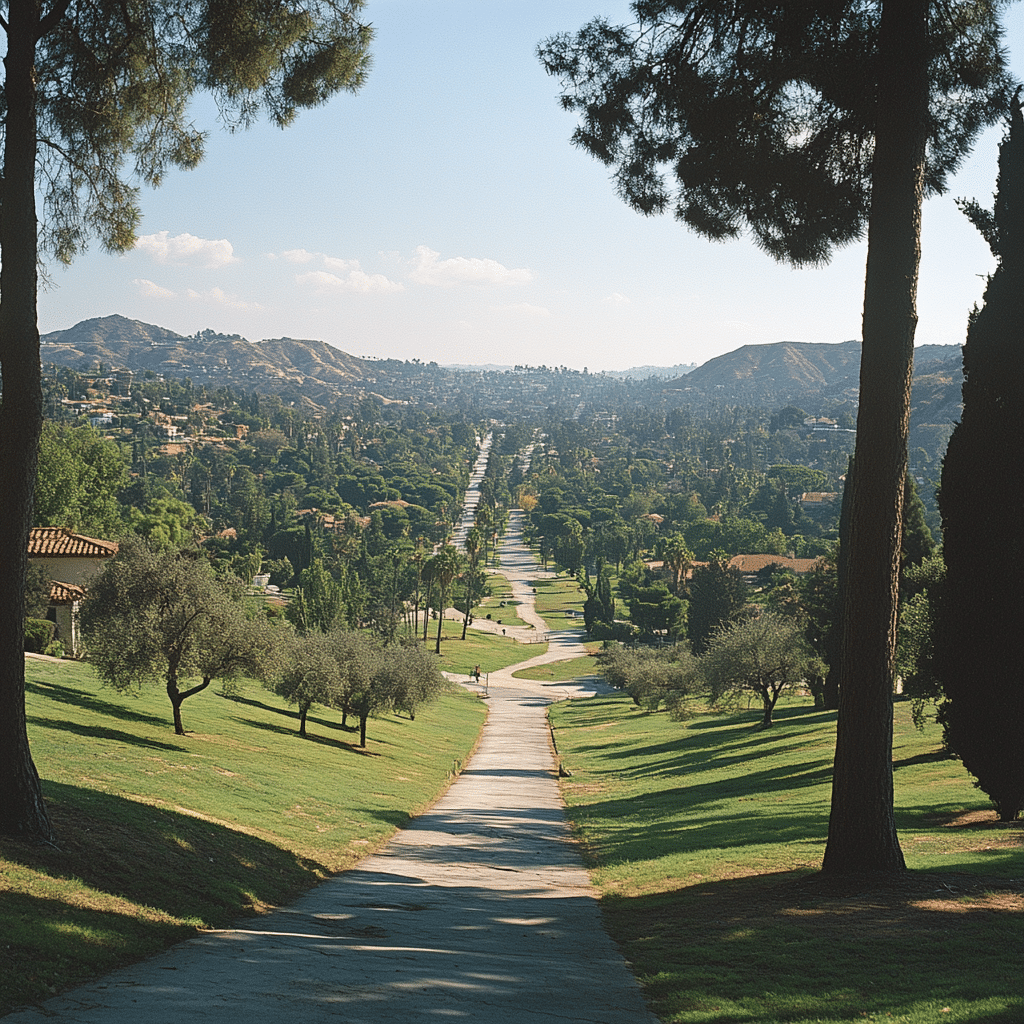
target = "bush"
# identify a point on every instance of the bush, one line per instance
(38, 635)
(621, 631)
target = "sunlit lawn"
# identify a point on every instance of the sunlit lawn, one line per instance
(705, 841)
(500, 606)
(560, 602)
(488, 650)
(562, 671)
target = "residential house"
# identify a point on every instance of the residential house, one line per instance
(70, 560)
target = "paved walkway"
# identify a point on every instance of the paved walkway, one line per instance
(479, 911)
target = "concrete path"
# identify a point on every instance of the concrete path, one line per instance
(479, 911)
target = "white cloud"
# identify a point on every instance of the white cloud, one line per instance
(297, 256)
(616, 299)
(524, 309)
(151, 290)
(336, 265)
(219, 297)
(187, 249)
(353, 280)
(429, 268)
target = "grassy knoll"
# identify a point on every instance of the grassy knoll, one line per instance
(560, 602)
(500, 590)
(562, 671)
(162, 834)
(491, 651)
(706, 839)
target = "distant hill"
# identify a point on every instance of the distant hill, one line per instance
(299, 371)
(643, 372)
(777, 374)
(635, 372)
(810, 375)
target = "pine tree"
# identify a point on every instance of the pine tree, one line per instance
(802, 123)
(981, 606)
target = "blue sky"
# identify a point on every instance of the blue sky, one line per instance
(442, 214)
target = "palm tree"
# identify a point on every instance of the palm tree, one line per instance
(447, 563)
(677, 555)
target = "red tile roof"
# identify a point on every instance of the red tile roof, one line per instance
(65, 593)
(60, 542)
(755, 563)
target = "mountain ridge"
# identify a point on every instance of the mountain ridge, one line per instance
(308, 371)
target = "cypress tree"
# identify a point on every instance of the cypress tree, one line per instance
(981, 610)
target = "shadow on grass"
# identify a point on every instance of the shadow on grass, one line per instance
(103, 733)
(310, 737)
(78, 698)
(129, 876)
(799, 948)
(286, 712)
(931, 757)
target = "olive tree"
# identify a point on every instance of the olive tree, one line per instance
(760, 654)
(308, 675)
(164, 617)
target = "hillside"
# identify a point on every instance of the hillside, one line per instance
(777, 374)
(299, 371)
(809, 373)
(814, 376)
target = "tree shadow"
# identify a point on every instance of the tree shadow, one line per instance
(931, 757)
(103, 733)
(894, 947)
(179, 872)
(311, 737)
(81, 699)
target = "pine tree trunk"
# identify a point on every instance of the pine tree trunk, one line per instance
(862, 829)
(22, 809)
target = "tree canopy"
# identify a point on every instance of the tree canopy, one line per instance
(163, 616)
(981, 604)
(761, 117)
(762, 654)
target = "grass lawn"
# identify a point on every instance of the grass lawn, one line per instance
(562, 671)
(500, 590)
(560, 602)
(705, 842)
(160, 835)
(488, 650)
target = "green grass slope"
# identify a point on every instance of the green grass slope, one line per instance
(705, 841)
(161, 834)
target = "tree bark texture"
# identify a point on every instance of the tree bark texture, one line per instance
(22, 809)
(862, 829)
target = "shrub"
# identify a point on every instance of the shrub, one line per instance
(38, 635)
